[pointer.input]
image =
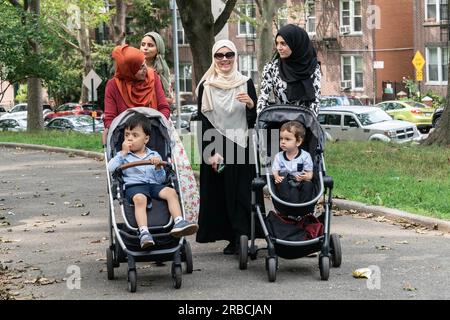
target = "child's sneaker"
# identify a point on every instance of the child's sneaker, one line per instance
(146, 240)
(184, 228)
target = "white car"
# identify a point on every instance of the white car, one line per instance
(19, 111)
(13, 124)
(365, 123)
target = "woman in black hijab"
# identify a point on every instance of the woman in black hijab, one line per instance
(293, 76)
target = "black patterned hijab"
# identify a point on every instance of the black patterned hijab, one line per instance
(297, 69)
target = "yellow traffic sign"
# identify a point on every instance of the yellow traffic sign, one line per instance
(418, 61)
(419, 75)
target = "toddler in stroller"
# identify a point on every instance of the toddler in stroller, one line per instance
(292, 169)
(144, 180)
(294, 231)
(145, 183)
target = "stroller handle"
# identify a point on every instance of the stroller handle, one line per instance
(141, 163)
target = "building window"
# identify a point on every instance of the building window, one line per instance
(246, 28)
(436, 10)
(352, 72)
(282, 16)
(180, 31)
(249, 66)
(311, 17)
(185, 77)
(437, 65)
(351, 16)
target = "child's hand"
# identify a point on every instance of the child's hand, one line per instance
(126, 145)
(156, 162)
(303, 176)
(278, 179)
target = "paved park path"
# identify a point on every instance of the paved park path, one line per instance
(53, 220)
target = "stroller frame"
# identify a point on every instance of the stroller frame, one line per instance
(328, 244)
(177, 250)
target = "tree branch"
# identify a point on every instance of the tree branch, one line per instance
(223, 18)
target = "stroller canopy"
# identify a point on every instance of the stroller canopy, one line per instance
(160, 126)
(273, 117)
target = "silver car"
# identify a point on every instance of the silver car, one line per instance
(365, 123)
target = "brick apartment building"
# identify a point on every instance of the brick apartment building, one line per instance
(431, 26)
(346, 42)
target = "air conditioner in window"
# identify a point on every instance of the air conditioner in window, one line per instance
(346, 84)
(344, 29)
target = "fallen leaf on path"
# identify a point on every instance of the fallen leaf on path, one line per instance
(409, 287)
(45, 214)
(51, 203)
(402, 242)
(96, 241)
(382, 247)
(5, 224)
(85, 213)
(100, 259)
(49, 231)
(421, 231)
(66, 202)
(381, 219)
(361, 242)
(363, 215)
(362, 273)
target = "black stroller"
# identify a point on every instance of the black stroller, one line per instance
(266, 145)
(124, 243)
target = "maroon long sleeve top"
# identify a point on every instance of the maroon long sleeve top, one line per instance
(114, 103)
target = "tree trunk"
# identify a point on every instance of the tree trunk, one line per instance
(267, 12)
(200, 32)
(85, 46)
(118, 23)
(34, 94)
(441, 135)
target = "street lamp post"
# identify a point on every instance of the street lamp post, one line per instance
(173, 6)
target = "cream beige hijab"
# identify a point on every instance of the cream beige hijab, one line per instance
(219, 103)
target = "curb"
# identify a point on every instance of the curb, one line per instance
(77, 152)
(394, 214)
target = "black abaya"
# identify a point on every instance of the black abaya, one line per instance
(225, 198)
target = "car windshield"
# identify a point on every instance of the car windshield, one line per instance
(85, 121)
(373, 116)
(416, 104)
(353, 102)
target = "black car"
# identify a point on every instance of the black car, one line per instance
(437, 116)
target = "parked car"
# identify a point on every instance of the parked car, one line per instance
(13, 124)
(19, 111)
(71, 108)
(412, 111)
(80, 123)
(333, 101)
(437, 116)
(186, 111)
(365, 123)
(183, 125)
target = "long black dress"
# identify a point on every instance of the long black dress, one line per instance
(225, 198)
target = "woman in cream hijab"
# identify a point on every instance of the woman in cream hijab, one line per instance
(226, 108)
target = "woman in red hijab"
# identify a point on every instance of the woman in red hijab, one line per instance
(133, 85)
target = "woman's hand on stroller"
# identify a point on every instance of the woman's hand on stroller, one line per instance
(215, 160)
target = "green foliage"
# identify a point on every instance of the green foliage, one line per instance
(22, 94)
(438, 100)
(17, 29)
(147, 16)
(413, 178)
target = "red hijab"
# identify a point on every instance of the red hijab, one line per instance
(135, 93)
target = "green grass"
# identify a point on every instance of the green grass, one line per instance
(73, 140)
(406, 177)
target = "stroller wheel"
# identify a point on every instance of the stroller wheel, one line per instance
(118, 254)
(324, 267)
(132, 280)
(336, 252)
(272, 269)
(187, 255)
(176, 275)
(109, 263)
(243, 252)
